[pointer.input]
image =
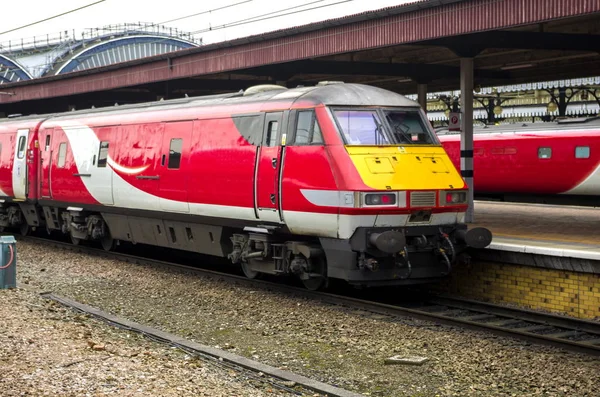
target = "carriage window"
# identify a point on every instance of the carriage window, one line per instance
(21, 149)
(544, 152)
(175, 153)
(307, 129)
(582, 152)
(62, 154)
(272, 133)
(102, 154)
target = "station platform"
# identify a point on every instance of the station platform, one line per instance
(542, 257)
(551, 230)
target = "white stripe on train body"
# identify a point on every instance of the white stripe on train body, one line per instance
(589, 186)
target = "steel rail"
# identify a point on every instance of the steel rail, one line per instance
(572, 334)
(258, 372)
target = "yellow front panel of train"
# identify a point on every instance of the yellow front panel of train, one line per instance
(405, 167)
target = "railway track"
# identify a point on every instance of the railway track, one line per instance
(540, 328)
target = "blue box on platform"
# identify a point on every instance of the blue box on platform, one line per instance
(8, 262)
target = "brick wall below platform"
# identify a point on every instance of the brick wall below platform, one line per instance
(558, 291)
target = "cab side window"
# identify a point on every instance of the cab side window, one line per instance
(308, 131)
(21, 150)
(272, 133)
(175, 153)
(102, 154)
(62, 154)
(316, 136)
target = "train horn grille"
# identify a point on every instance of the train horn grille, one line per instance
(422, 199)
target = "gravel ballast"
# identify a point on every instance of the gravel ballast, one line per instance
(49, 350)
(312, 339)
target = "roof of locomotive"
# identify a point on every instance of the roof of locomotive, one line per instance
(339, 94)
(342, 94)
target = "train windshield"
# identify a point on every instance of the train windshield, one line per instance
(384, 127)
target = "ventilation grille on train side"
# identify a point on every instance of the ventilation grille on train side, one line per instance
(422, 199)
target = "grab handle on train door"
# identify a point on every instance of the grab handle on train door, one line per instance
(82, 174)
(274, 162)
(147, 177)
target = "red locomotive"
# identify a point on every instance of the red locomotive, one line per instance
(556, 162)
(334, 181)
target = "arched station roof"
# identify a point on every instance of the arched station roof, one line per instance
(11, 71)
(117, 50)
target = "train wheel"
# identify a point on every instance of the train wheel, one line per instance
(249, 272)
(24, 229)
(319, 281)
(108, 243)
(314, 283)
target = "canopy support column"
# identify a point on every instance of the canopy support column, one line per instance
(466, 135)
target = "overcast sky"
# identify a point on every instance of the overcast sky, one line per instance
(111, 12)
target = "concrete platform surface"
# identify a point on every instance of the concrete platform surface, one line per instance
(562, 231)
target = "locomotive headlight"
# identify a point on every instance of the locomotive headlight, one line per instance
(454, 197)
(380, 199)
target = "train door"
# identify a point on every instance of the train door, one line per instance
(46, 164)
(92, 163)
(19, 175)
(267, 169)
(174, 173)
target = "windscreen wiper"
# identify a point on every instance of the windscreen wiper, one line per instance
(378, 128)
(400, 133)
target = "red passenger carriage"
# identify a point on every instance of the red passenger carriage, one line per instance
(551, 162)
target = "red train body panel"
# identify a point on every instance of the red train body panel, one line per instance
(538, 159)
(268, 179)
